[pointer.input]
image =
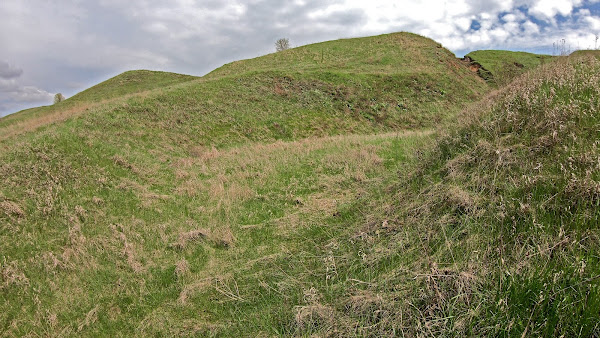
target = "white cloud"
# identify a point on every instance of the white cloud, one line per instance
(530, 28)
(548, 9)
(30, 94)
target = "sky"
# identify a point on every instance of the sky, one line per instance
(50, 46)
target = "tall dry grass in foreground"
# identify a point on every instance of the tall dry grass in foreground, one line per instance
(507, 208)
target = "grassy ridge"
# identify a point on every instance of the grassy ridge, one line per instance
(256, 100)
(499, 67)
(131, 82)
(397, 53)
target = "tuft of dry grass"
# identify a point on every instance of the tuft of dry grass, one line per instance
(223, 237)
(12, 275)
(189, 237)
(314, 318)
(122, 162)
(182, 268)
(90, 318)
(11, 209)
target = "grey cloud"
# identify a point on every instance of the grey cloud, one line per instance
(16, 98)
(345, 18)
(30, 94)
(8, 86)
(9, 72)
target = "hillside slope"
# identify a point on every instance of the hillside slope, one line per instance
(206, 207)
(499, 67)
(118, 88)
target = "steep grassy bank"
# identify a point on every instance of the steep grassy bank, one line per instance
(495, 232)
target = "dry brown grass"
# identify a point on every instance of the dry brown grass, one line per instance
(365, 303)
(190, 237)
(11, 209)
(182, 268)
(56, 115)
(128, 251)
(122, 162)
(90, 318)
(314, 318)
(12, 275)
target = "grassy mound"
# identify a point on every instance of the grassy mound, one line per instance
(396, 53)
(499, 67)
(131, 82)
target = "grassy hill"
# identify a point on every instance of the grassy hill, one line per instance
(495, 231)
(499, 67)
(399, 53)
(131, 82)
(256, 100)
(116, 89)
(305, 198)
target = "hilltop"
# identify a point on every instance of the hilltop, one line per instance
(371, 187)
(398, 53)
(130, 83)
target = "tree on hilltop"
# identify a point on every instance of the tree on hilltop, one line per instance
(58, 98)
(282, 44)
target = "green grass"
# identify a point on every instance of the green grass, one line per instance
(291, 200)
(397, 53)
(257, 101)
(118, 88)
(499, 67)
(131, 82)
(105, 217)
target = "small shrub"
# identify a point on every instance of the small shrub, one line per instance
(58, 98)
